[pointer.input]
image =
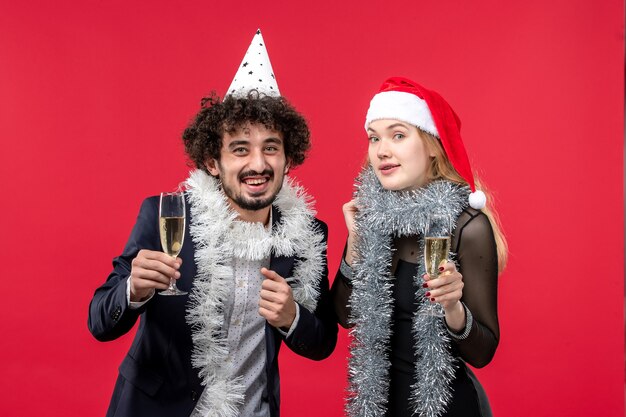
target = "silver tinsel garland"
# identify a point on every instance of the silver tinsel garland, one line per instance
(218, 238)
(383, 215)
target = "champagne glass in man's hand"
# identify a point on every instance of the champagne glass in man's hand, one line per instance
(172, 230)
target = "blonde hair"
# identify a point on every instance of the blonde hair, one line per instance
(441, 168)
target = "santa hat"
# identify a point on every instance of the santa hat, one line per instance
(405, 100)
(255, 71)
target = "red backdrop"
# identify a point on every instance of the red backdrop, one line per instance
(94, 97)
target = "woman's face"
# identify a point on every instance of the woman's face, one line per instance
(398, 154)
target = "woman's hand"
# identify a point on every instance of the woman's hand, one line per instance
(447, 290)
(349, 212)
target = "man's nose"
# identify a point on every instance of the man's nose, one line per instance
(257, 161)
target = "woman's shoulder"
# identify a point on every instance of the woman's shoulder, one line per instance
(473, 224)
(471, 215)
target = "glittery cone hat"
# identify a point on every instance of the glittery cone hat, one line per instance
(255, 71)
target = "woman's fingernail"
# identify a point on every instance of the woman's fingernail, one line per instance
(440, 268)
(425, 285)
(432, 299)
(427, 294)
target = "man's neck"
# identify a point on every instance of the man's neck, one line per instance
(253, 216)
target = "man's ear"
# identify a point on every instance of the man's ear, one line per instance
(287, 166)
(211, 166)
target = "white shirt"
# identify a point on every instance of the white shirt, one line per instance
(246, 333)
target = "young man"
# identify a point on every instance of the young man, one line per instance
(253, 262)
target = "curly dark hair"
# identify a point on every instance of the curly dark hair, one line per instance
(203, 136)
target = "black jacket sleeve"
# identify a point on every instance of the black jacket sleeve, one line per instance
(109, 314)
(315, 335)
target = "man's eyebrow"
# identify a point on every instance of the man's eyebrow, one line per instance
(273, 140)
(236, 143)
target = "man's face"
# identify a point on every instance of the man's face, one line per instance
(251, 167)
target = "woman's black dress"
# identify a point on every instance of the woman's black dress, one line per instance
(474, 244)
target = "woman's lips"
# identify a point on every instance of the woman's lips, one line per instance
(388, 169)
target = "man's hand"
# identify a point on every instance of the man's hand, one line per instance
(151, 270)
(276, 302)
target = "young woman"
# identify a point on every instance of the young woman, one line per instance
(405, 361)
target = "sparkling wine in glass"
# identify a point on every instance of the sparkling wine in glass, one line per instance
(172, 230)
(436, 251)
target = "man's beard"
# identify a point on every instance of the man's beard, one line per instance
(251, 204)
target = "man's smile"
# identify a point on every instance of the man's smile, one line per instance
(256, 184)
(255, 180)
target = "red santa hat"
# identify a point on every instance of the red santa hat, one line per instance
(405, 100)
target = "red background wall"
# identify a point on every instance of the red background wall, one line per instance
(94, 96)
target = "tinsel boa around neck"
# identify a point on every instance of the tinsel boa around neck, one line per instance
(383, 215)
(218, 238)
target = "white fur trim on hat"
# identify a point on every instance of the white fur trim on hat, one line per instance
(402, 106)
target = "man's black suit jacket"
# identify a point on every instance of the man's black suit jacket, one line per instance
(156, 377)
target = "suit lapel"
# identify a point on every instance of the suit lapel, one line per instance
(282, 265)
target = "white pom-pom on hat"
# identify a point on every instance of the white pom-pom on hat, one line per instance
(477, 199)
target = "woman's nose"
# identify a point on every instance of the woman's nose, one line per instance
(383, 149)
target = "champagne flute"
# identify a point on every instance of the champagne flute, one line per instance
(172, 230)
(436, 251)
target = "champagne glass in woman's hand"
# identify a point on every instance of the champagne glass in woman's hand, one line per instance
(436, 250)
(172, 230)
